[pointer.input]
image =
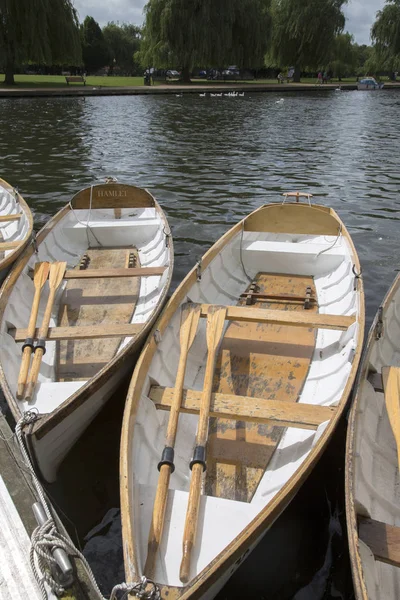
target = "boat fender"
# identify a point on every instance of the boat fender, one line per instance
(167, 458)
(199, 457)
(65, 569)
(41, 343)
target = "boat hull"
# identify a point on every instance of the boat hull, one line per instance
(270, 248)
(17, 231)
(78, 374)
(371, 473)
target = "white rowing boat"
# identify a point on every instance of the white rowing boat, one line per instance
(15, 226)
(372, 460)
(282, 290)
(111, 260)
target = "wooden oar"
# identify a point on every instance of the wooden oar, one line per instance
(189, 323)
(39, 279)
(215, 327)
(391, 385)
(57, 271)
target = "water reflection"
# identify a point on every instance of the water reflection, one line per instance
(210, 161)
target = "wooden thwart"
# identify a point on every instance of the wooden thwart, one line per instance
(382, 539)
(246, 408)
(281, 317)
(106, 273)
(81, 333)
(15, 217)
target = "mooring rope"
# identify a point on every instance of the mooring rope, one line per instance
(46, 538)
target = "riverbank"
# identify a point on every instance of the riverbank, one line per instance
(20, 91)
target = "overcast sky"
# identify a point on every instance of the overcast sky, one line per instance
(360, 14)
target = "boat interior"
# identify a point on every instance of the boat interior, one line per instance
(290, 336)
(375, 475)
(117, 269)
(14, 223)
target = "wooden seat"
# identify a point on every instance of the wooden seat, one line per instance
(107, 273)
(15, 217)
(281, 317)
(382, 539)
(246, 408)
(113, 330)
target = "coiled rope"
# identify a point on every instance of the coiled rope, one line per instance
(46, 538)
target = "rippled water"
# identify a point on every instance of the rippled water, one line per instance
(210, 161)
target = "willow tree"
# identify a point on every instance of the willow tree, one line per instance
(190, 33)
(385, 34)
(40, 31)
(304, 31)
(344, 56)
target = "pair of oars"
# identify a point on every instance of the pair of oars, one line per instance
(55, 273)
(189, 324)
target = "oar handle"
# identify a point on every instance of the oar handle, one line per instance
(35, 369)
(192, 516)
(23, 372)
(157, 522)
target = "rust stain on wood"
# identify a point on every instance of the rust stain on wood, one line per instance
(264, 361)
(84, 303)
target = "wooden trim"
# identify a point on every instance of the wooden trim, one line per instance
(10, 245)
(236, 549)
(382, 539)
(246, 408)
(281, 317)
(281, 298)
(107, 273)
(7, 261)
(81, 332)
(113, 195)
(11, 217)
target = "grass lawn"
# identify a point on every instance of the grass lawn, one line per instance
(32, 81)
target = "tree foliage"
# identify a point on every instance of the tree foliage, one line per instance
(123, 42)
(94, 47)
(186, 33)
(385, 34)
(304, 31)
(344, 56)
(42, 31)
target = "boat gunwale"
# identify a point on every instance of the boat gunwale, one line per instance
(49, 421)
(351, 514)
(268, 514)
(8, 260)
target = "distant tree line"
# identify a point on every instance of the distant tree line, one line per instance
(184, 34)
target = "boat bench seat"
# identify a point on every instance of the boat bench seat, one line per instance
(246, 408)
(283, 317)
(120, 232)
(282, 257)
(86, 332)
(382, 539)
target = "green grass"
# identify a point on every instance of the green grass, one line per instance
(33, 81)
(57, 81)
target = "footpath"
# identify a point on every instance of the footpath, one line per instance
(78, 90)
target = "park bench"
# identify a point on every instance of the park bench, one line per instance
(75, 79)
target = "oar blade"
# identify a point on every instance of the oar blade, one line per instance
(41, 274)
(57, 271)
(189, 323)
(215, 326)
(391, 383)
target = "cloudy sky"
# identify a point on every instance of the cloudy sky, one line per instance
(360, 14)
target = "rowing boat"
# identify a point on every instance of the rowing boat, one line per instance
(97, 282)
(236, 394)
(15, 226)
(372, 459)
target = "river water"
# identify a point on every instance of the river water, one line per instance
(210, 161)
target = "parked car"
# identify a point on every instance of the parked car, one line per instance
(173, 73)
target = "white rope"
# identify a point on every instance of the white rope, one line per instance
(86, 225)
(46, 538)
